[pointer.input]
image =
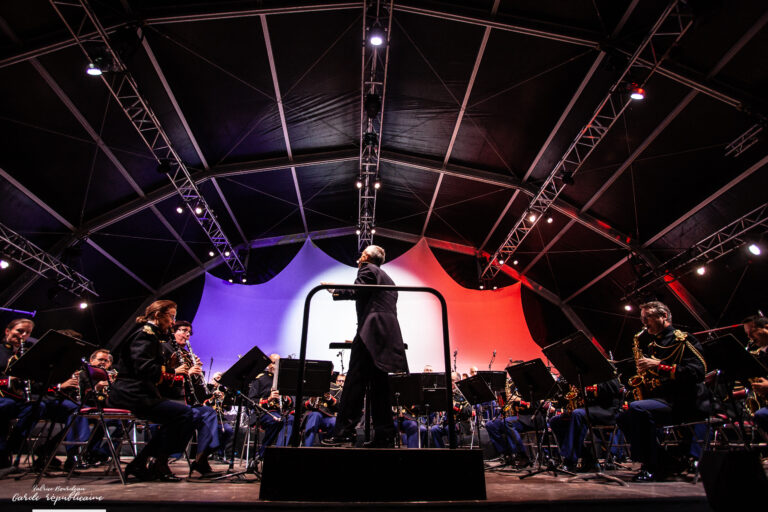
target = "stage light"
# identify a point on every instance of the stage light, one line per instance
(754, 249)
(373, 231)
(532, 217)
(199, 210)
(495, 287)
(370, 139)
(627, 307)
(501, 262)
(179, 210)
(376, 36)
(231, 280)
(515, 262)
(482, 287)
(83, 305)
(93, 70)
(550, 220)
(359, 183)
(4, 264)
(636, 92)
(226, 254)
(701, 271)
(377, 184)
(357, 231)
(211, 254)
(244, 280)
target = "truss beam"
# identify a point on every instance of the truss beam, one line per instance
(80, 18)
(373, 87)
(32, 257)
(665, 33)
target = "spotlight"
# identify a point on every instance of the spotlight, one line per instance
(4, 264)
(373, 231)
(357, 231)
(179, 210)
(636, 92)
(231, 280)
(244, 280)
(377, 184)
(370, 139)
(164, 166)
(501, 262)
(567, 177)
(93, 69)
(482, 287)
(495, 287)
(754, 249)
(359, 183)
(627, 307)
(211, 254)
(550, 220)
(532, 217)
(376, 36)
(372, 105)
(83, 305)
(226, 254)
(515, 262)
(199, 210)
(701, 271)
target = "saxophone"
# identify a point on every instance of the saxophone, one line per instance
(642, 382)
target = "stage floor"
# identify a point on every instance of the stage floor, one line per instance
(92, 489)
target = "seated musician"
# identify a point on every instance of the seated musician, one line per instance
(570, 428)
(322, 411)
(277, 421)
(95, 388)
(756, 328)
(672, 367)
(221, 402)
(13, 402)
(504, 431)
(462, 412)
(140, 365)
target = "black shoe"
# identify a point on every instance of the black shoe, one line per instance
(163, 473)
(337, 440)
(645, 476)
(204, 469)
(139, 471)
(383, 442)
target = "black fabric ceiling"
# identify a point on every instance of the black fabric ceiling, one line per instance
(482, 100)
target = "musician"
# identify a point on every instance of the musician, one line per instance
(13, 403)
(101, 376)
(570, 428)
(221, 402)
(140, 365)
(322, 412)
(277, 421)
(756, 328)
(461, 410)
(673, 359)
(376, 350)
(505, 431)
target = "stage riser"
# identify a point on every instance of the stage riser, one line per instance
(358, 474)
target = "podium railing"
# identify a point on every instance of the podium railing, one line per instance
(295, 438)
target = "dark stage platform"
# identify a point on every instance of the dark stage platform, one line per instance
(93, 490)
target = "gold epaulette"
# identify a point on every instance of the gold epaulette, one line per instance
(7, 345)
(680, 335)
(260, 375)
(147, 329)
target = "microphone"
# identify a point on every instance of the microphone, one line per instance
(455, 352)
(494, 353)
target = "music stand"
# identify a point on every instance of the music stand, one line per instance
(497, 381)
(237, 379)
(579, 360)
(317, 377)
(735, 363)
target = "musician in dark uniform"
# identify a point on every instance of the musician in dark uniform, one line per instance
(756, 328)
(277, 421)
(13, 403)
(322, 411)
(570, 428)
(376, 350)
(672, 361)
(139, 362)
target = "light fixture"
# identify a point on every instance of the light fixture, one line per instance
(370, 139)
(515, 262)
(211, 254)
(701, 270)
(4, 264)
(627, 307)
(495, 287)
(83, 305)
(226, 254)
(199, 210)
(754, 249)
(532, 217)
(482, 287)
(501, 262)
(376, 36)
(244, 280)
(179, 210)
(359, 182)
(377, 184)
(636, 92)
(357, 231)
(550, 220)
(93, 69)
(373, 231)
(231, 280)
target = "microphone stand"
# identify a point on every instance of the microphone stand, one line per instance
(493, 358)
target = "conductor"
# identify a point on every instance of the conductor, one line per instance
(376, 350)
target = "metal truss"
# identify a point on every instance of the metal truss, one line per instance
(376, 13)
(663, 36)
(27, 254)
(707, 250)
(744, 141)
(83, 20)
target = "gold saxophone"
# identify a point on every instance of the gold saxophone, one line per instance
(642, 382)
(574, 398)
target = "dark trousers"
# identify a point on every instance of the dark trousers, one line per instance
(364, 373)
(11, 439)
(640, 424)
(177, 423)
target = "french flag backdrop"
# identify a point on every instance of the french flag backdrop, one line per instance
(232, 318)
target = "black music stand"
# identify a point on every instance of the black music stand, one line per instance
(477, 392)
(317, 377)
(236, 380)
(579, 360)
(534, 381)
(497, 381)
(735, 363)
(53, 358)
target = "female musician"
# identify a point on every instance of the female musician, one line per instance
(139, 363)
